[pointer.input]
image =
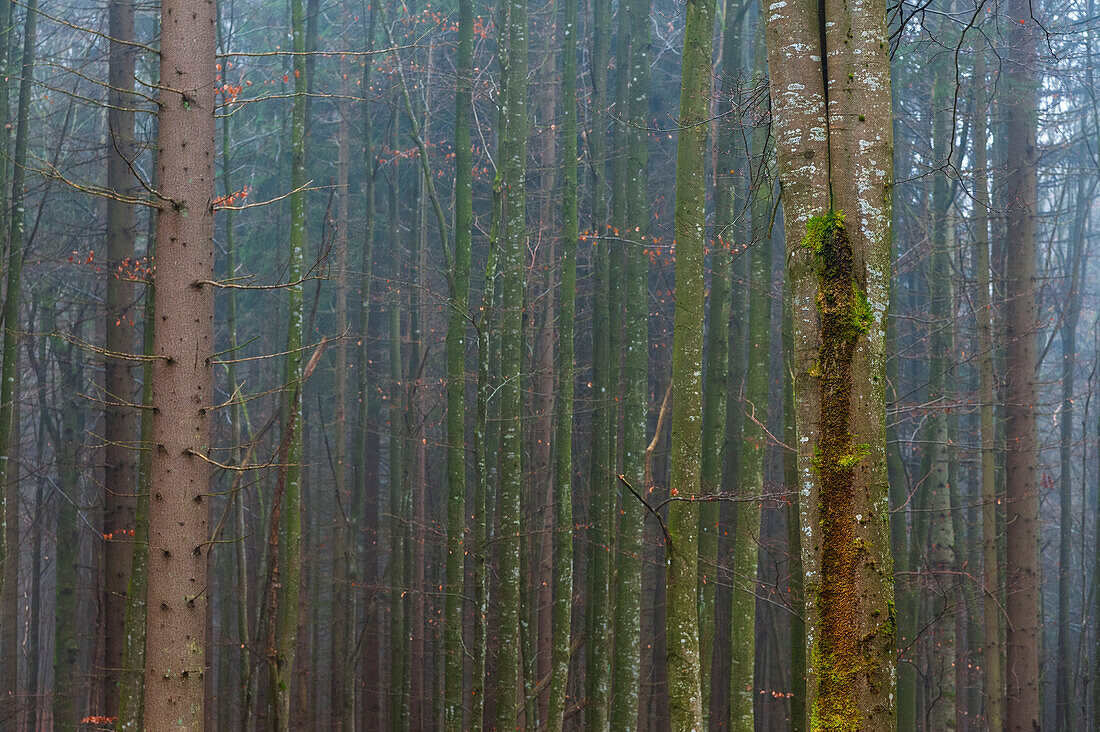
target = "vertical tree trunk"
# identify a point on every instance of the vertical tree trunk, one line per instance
(343, 606)
(13, 276)
(398, 708)
(754, 441)
(597, 668)
(132, 685)
(183, 344)
(714, 393)
(635, 295)
(991, 646)
(290, 549)
(794, 528)
(723, 397)
(563, 441)
(9, 384)
(682, 621)
(12, 296)
(1022, 710)
(1065, 701)
(236, 411)
(9, 388)
(514, 158)
(941, 550)
(481, 478)
(834, 160)
(120, 457)
(456, 373)
(14, 695)
(1095, 701)
(67, 679)
(753, 450)
(365, 572)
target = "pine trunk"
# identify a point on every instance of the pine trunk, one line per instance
(120, 458)
(183, 347)
(991, 646)
(1022, 709)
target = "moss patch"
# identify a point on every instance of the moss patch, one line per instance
(839, 655)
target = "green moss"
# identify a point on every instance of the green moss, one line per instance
(818, 228)
(861, 310)
(842, 655)
(857, 453)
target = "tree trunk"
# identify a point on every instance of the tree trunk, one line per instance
(514, 158)
(288, 588)
(941, 550)
(183, 347)
(398, 673)
(9, 376)
(794, 529)
(726, 180)
(834, 160)
(1022, 711)
(628, 575)
(132, 689)
(365, 572)
(1065, 701)
(563, 442)
(597, 669)
(753, 451)
(343, 605)
(120, 457)
(682, 619)
(456, 374)
(991, 646)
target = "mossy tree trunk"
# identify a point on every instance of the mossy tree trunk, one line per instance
(132, 684)
(513, 162)
(794, 528)
(398, 706)
(365, 571)
(12, 332)
(10, 375)
(290, 549)
(726, 177)
(597, 667)
(563, 438)
(682, 613)
(751, 484)
(342, 693)
(754, 444)
(456, 373)
(635, 347)
(835, 160)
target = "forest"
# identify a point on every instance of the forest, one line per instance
(549, 365)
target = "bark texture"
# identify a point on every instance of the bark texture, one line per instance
(682, 615)
(182, 347)
(834, 150)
